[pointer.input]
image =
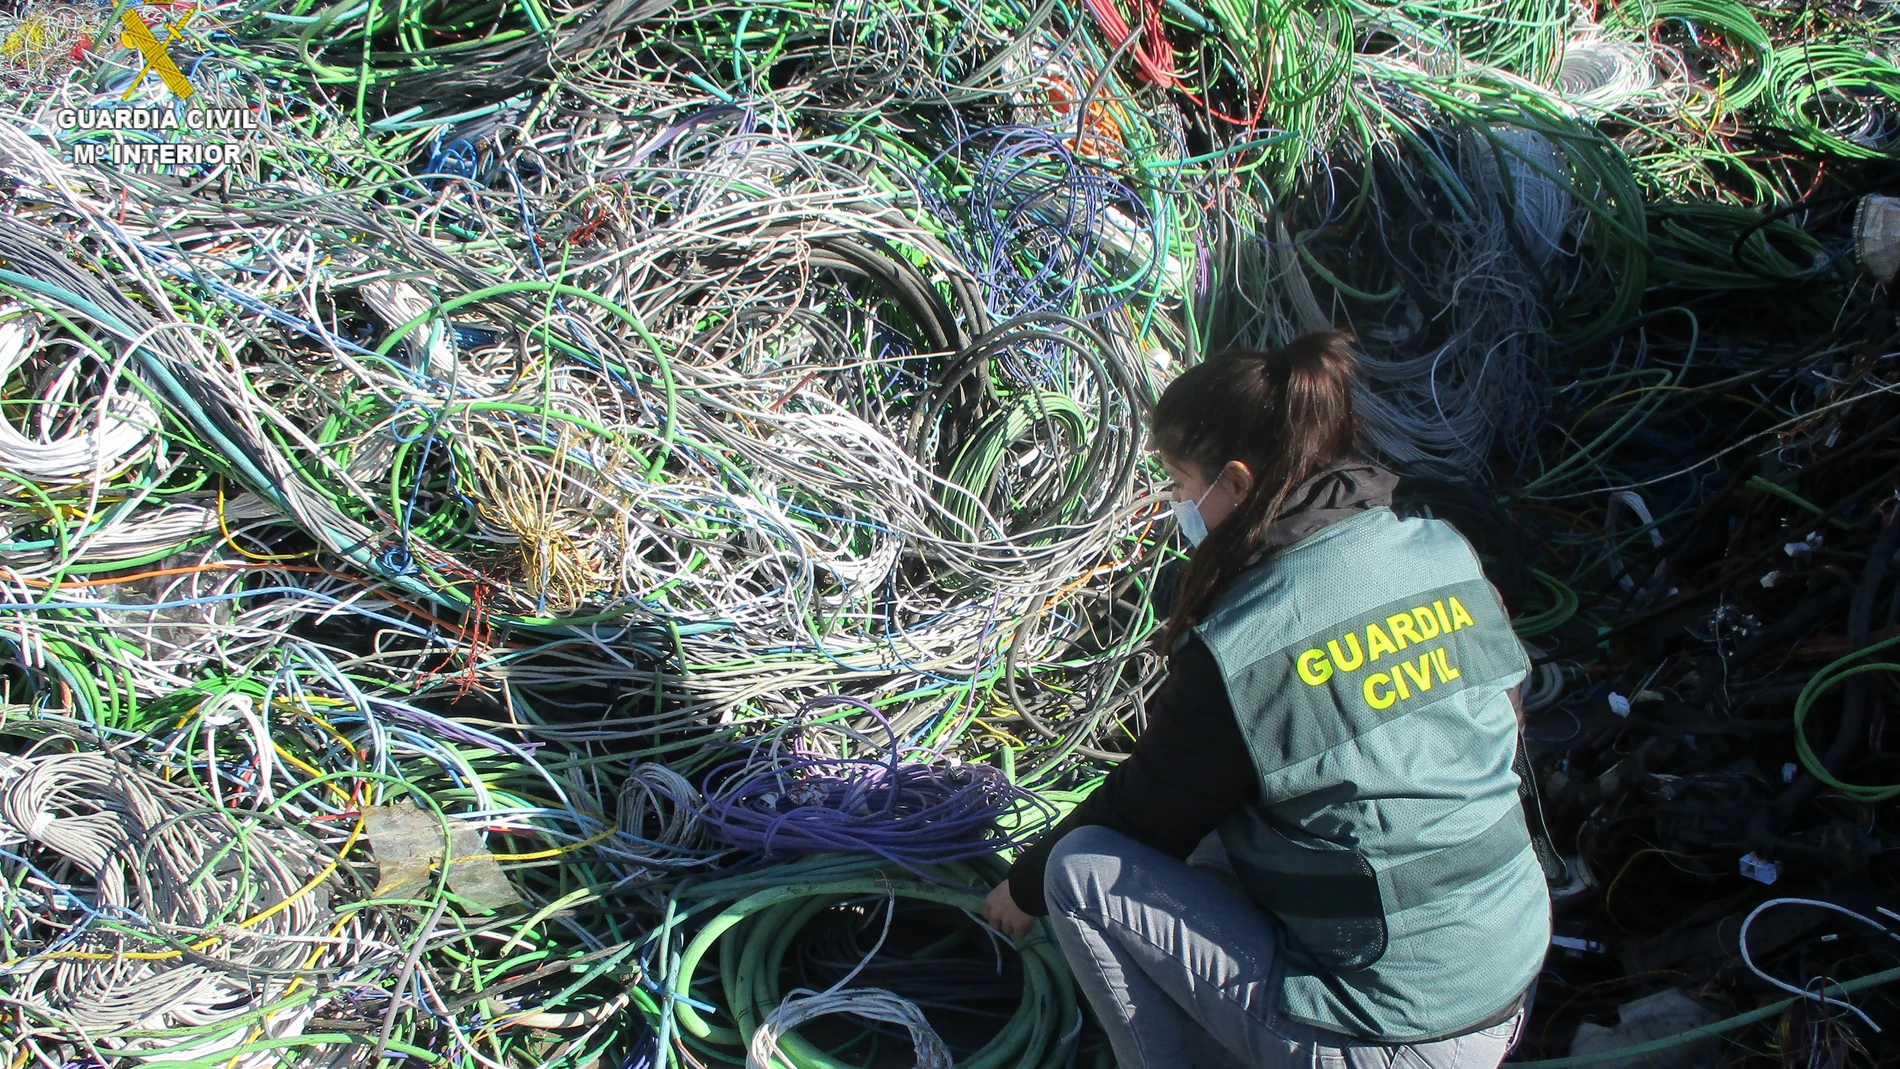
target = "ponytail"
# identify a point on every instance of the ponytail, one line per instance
(1287, 415)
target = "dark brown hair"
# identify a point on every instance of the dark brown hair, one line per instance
(1286, 414)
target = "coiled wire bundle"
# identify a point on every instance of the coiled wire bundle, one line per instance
(152, 915)
(791, 797)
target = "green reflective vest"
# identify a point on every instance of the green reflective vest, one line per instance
(1369, 667)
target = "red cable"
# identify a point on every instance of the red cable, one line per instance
(1154, 55)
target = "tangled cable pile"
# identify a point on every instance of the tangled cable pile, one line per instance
(584, 485)
(156, 857)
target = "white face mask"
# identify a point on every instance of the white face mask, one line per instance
(1188, 515)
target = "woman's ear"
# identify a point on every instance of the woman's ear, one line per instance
(1239, 477)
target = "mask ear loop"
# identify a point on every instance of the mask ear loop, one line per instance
(1209, 490)
(1184, 509)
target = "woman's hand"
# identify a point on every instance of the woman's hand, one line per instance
(1004, 915)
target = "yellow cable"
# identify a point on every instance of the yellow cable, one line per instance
(991, 731)
(257, 1031)
(166, 955)
(225, 528)
(542, 855)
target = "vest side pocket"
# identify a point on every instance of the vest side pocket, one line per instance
(1343, 913)
(1337, 916)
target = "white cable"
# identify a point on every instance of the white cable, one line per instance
(1545, 686)
(872, 1003)
(146, 846)
(1742, 942)
(120, 430)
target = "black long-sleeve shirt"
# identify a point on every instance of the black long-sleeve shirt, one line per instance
(1189, 770)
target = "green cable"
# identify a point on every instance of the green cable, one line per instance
(1563, 607)
(1756, 482)
(1830, 989)
(1827, 678)
(752, 968)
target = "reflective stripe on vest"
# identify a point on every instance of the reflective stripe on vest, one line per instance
(1336, 903)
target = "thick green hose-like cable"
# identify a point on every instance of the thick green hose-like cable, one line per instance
(771, 919)
(1707, 1031)
(1822, 681)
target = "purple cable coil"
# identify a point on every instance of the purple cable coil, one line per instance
(912, 813)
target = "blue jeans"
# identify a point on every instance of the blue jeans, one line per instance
(1179, 966)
